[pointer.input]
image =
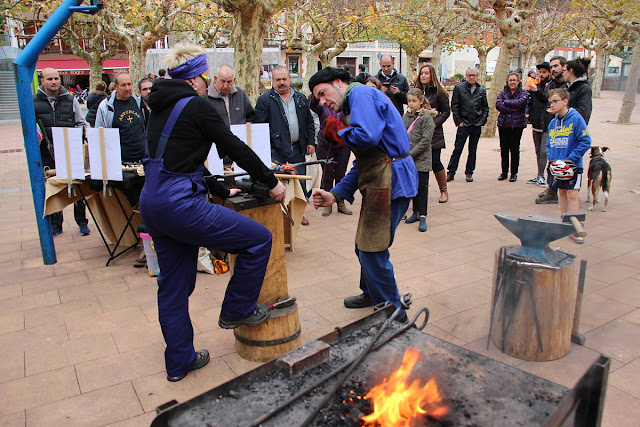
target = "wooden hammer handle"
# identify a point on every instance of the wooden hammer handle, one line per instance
(576, 224)
(287, 176)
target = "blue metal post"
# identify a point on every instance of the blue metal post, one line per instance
(25, 65)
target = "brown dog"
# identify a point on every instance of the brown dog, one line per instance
(599, 176)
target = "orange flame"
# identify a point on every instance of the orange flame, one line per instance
(396, 403)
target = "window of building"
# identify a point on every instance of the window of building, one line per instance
(294, 65)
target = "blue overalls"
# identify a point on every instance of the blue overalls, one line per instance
(180, 219)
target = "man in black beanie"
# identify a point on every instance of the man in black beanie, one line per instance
(383, 171)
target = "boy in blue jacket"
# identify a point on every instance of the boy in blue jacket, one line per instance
(567, 141)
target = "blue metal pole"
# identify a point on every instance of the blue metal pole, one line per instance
(25, 65)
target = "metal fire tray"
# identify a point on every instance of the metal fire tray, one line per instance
(478, 390)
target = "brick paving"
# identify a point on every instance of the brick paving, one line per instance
(81, 344)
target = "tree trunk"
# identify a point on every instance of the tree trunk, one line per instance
(248, 37)
(437, 54)
(137, 57)
(412, 62)
(95, 72)
(540, 57)
(629, 99)
(598, 75)
(499, 75)
(482, 60)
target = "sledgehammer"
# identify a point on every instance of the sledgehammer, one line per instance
(574, 219)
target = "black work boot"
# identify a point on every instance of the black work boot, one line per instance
(359, 301)
(202, 358)
(258, 317)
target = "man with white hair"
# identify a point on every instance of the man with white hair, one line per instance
(470, 112)
(229, 100)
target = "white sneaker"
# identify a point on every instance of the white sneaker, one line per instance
(541, 182)
(533, 180)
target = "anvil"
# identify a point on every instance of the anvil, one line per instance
(535, 233)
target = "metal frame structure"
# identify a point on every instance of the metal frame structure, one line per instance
(25, 66)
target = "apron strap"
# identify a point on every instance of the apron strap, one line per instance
(168, 128)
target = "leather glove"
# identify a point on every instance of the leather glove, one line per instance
(331, 128)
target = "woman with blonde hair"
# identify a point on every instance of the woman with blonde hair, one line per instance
(438, 98)
(180, 219)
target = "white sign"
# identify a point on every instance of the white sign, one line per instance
(104, 153)
(256, 136)
(69, 158)
(214, 162)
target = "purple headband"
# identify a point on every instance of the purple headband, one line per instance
(190, 68)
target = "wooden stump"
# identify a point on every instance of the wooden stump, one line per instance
(514, 328)
(281, 332)
(275, 337)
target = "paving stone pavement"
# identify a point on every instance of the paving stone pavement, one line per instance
(80, 343)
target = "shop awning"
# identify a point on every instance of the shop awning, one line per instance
(78, 67)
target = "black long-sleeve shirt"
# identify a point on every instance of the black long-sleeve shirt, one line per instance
(196, 128)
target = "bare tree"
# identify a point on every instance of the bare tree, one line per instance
(509, 17)
(252, 19)
(597, 35)
(625, 15)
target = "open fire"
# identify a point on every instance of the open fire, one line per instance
(396, 402)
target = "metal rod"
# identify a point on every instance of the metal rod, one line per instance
(496, 294)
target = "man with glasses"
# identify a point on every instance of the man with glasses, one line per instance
(470, 111)
(231, 102)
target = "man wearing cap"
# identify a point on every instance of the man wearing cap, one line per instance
(539, 119)
(383, 171)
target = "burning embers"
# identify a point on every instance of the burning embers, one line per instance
(397, 401)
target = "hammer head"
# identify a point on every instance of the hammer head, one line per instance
(566, 217)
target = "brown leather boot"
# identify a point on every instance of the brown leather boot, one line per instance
(441, 177)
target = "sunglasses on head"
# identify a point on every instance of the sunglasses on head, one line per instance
(207, 80)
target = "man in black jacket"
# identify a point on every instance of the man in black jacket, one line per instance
(539, 119)
(56, 107)
(363, 76)
(290, 122)
(394, 84)
(470, 111)
(231, 102)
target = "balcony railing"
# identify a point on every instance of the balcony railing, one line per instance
(59, 45)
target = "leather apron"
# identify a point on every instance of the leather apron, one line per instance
(374, 183)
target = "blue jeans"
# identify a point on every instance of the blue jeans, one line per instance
(297, 156)
(464, 132)
(376, 271)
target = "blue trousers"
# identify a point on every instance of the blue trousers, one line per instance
(180, 220)
(297, 156)
(464, 132)
(376, 271)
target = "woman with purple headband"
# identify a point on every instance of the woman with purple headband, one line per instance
(180, 219)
